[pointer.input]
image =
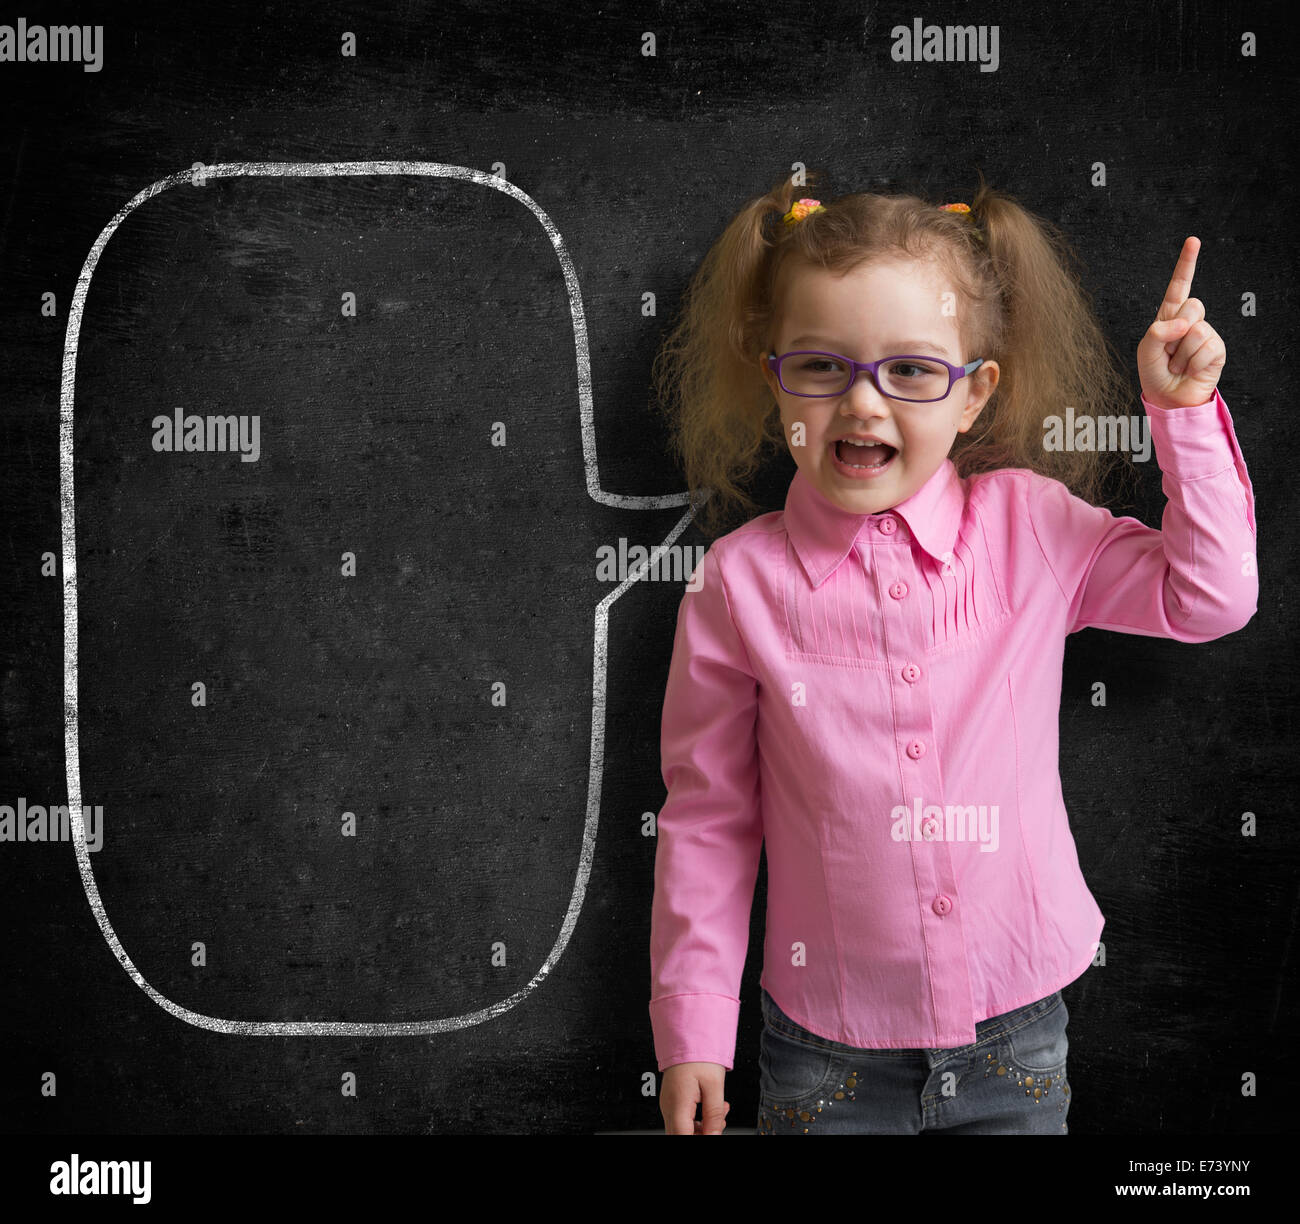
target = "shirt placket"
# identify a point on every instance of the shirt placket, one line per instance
(902, 596)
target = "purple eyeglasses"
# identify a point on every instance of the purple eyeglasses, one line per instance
(931, 380)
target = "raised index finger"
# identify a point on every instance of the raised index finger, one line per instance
(1180, 284)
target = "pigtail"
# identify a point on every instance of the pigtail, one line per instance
(723, 422)
(1051, 349)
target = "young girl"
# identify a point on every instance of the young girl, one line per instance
(870, 680)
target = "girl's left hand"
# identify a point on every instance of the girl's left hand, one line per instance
(1181, 355)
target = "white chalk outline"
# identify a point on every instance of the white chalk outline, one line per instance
(70, 717)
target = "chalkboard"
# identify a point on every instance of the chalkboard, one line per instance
(330, 459)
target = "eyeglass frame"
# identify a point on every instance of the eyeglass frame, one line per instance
(955, 372)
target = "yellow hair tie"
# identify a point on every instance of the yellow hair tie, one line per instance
(802, 208)
(963, 211)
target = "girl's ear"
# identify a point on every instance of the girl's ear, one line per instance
(986, 378)
(986, 383)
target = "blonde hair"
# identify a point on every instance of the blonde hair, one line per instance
(1024, 308)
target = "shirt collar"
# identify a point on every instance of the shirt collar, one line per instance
(823, 534)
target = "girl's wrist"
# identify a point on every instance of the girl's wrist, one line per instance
(1157, 401)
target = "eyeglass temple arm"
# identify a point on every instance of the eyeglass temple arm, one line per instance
(968, 368)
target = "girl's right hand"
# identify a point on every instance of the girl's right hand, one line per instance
(686, 1085)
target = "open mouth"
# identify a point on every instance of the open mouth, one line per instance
(873, 458)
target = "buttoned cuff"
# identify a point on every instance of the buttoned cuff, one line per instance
(1197, 441)
(695, 1028)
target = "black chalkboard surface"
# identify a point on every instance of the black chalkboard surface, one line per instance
(330, 458)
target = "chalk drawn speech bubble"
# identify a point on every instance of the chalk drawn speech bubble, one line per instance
(321, 1028)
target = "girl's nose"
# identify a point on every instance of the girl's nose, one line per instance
(865, 397)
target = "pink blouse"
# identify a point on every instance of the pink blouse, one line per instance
(878, 696)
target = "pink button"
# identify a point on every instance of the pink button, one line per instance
(898, 589)
(911, 673)
(888, 526)
(941, 905)
(916, 749)
(930, 830)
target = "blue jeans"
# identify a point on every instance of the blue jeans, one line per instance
(1010, 1082)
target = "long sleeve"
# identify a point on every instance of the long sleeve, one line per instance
(710, 831)
(1195, 579)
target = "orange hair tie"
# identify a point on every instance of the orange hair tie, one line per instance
(801, 209)
(963, 211)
